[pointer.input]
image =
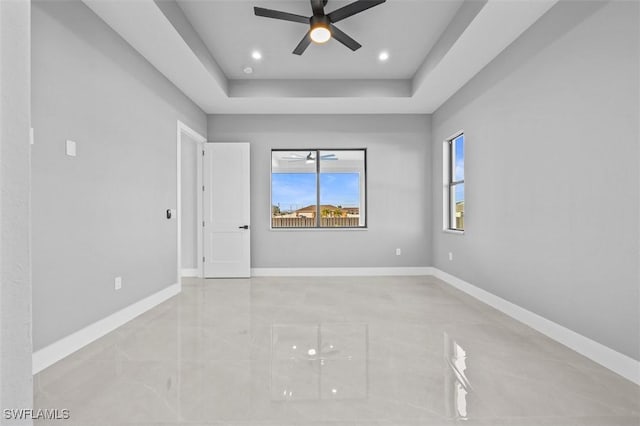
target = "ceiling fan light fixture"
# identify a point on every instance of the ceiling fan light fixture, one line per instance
(310, 159)
(320, 32)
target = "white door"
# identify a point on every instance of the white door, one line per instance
(227, 235)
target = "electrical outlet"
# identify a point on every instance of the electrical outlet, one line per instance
(117, 285)
(398, 252)
(450, 256)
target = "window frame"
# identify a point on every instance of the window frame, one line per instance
(450, 184)
(318, 205)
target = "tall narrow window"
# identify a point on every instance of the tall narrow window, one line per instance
(318, 188)
(454, 166)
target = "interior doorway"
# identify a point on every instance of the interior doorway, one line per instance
(189, 201)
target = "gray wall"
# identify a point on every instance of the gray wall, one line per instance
(16, 385)
(552, 160)
(189, 181)
(101, 214)
(398, 179)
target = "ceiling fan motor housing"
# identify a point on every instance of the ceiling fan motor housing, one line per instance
(319, 21)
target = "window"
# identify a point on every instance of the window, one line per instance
(316, 188)
(454, 183)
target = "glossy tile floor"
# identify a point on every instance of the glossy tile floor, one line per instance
(381, 351)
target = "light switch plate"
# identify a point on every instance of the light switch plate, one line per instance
(71, 148)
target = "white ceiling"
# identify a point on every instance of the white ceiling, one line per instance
(435, 47)
(406, 29)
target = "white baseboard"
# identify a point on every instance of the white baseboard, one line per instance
(619, 363)
(190, 272)
(53, 353)
(340, 272)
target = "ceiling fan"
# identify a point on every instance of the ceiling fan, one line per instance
(309, 158)
(321, 27)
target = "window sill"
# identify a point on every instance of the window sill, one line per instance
(453, 231)
(316, 229)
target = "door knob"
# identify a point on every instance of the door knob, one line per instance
(243, 227)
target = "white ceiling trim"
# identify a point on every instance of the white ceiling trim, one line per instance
(180, 22)
(163, 46)
(458, 25)
(320, 89)
(497, 25)
(477, 35)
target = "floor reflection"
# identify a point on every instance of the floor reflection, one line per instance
(319, 362)
(389, 351)
(456, 383)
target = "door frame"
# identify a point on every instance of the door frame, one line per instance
(183, 129)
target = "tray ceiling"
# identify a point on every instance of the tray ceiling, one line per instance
(434, 47)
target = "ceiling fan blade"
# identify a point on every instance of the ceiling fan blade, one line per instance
(318, 7)
(352, 9)
(276, 14)
(304, 43)
(344, 39)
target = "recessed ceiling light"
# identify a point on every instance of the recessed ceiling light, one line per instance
(256, 55)
(248, 70)
(383, 56)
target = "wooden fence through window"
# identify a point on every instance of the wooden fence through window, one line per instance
(306, 222)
